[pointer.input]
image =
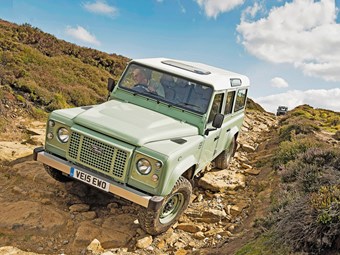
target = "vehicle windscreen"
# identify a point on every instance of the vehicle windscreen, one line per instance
(168, 88)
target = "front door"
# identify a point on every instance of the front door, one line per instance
(211, 140)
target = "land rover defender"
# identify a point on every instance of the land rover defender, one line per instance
(281, 110)
(164, 122)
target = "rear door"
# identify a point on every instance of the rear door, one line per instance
(228, 122)
(233, 117)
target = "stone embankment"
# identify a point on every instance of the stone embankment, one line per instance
(43, 216)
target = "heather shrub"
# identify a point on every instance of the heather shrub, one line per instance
(307, 229)
(321, 157)
(308, 207)
(289, 150)
(296, 126)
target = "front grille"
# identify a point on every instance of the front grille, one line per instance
(99, 156)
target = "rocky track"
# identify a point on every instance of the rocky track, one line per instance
(40, 215)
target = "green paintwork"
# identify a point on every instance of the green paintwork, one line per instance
(133, 124)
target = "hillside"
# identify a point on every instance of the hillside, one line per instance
(303, 213)
(40, 73)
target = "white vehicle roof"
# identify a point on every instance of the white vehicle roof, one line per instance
(217, 77)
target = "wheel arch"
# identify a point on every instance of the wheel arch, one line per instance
(186, 169)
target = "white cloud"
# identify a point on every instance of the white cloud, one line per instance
(317, 98)
(251, 11)
(278, 82)
(213, 8)
(101, 7)
(81, 34)
(303, 33)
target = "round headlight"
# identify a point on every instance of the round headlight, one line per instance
(144, 166)
(63, 135)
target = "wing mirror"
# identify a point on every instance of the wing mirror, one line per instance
(110, 84)
(217, 123)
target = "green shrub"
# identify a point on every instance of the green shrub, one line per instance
(21, 98)
(289, 150)
(295, 127)
(58, 102)
(325, 201)
(38, 113)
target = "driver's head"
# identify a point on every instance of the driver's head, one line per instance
(139, 76)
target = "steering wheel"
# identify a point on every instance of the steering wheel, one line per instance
(141, 88)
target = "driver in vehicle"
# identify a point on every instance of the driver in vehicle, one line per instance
(142, 82)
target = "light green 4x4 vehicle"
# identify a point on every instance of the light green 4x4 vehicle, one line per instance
(164, 122)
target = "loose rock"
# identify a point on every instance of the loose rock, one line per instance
(189, 227)
(95, 247)
(79, 208)
(144, 242)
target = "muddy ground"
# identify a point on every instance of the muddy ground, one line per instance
(40, 215)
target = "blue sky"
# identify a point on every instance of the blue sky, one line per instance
(290, 50)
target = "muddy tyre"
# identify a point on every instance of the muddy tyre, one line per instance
(56, 174)
(156, 222)
(223, 160)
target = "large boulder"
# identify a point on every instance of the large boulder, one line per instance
(222, 180)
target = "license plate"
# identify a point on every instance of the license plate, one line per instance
(90, 179)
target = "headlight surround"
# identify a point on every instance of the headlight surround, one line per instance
(63, 135)
(143, 166)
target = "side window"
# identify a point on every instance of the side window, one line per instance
(230, 101)
(216, 106)
(240, 99)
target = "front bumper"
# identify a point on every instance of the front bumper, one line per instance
(147, 201)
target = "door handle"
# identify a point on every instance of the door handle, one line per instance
(228, 130)
(216, 138)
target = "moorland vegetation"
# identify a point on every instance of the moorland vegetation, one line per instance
(304, 215)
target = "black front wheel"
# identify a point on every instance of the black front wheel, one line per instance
(157, 222)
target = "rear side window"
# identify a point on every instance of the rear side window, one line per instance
(240, 99)
(230, 101)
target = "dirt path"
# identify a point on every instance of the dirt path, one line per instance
(260, 188)
(41, 215)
